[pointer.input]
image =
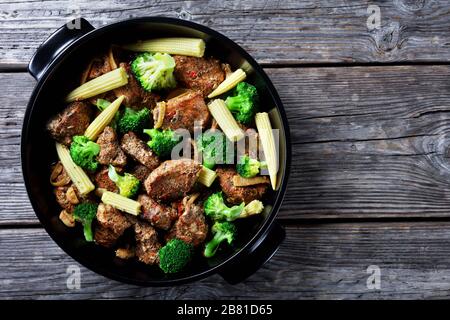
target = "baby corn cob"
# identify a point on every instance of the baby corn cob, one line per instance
(268, 143)
(184, 46)
(103, 119)
(76, 174)
(229, 83)
(109, 81)
(225, 120)
(207, 176)
(122, 203)
(254, 207)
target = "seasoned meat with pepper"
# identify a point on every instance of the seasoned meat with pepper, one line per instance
(147, 244)
(173, 179)
(237, 195)
(203, 74)
(191, 226)
(110, 152)
(72, 121)
(139, 150)
(135, 95)
(103, 181)
(159, 215)
(141, 172)
(184, 111)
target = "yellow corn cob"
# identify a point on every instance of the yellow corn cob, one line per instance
(268, 143)
(103, 119)
(183, 46)
(225, 120)
(254, 207)
(229, 83)
(207, 177)
(76, 174)
(109, 81)
(121, 203)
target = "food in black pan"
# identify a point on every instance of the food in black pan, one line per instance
(119, 138)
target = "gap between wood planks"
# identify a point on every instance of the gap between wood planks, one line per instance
(17, 68)
(288, 222)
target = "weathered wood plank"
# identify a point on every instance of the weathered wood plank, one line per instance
(327, 261)
(272, 31)
(367, 142)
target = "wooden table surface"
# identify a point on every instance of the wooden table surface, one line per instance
(369, 112)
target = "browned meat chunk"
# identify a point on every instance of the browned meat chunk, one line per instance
(191, 226)
(110, 152)
(135, 95)
(99, 67)
(112, 224)
(184, 111)
(139, 150)
(61, 198)
(72, 121)
(103, 181)
(104, 236)
(159, 215)
(111, 218)
(141, 172)
(237, 195)
(173, 179)
(147, 244)
(199, 73)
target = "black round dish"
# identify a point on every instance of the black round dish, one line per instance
(56, 66)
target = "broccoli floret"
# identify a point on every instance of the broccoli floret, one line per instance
(154, 71)
(244, 104)
(132, 120)
(162, 141)
(83, 152)
(128, 184)
(216, 208)
(85, 213)
(174, 256)
(102, 104)
(213, 146)
(222, 231)
(248, 167)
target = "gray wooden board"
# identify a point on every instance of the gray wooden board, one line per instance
(367, 142)
(326, 261)
(289, 31)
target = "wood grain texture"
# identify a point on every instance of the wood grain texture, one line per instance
(287, 31)
(326, 261)
(367, 142)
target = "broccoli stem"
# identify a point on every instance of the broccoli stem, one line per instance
(87, 230)
(112, 174)
(234, 212)
(212, 246)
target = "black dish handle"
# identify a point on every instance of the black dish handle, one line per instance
(241, 268)
(55, 44)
